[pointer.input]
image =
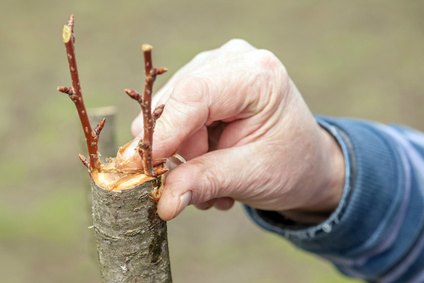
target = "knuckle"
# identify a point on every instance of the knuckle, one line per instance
(236, 44)
(207, 185)
(269, 64)
(202, 56)
(190, 90)
(266, 59)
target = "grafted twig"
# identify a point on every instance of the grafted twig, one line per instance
(74, 92)
(145, 101)
(131, 238)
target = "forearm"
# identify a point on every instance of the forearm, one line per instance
(377, 229)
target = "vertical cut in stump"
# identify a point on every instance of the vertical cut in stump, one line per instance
(131, 238)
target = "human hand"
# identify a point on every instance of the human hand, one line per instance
(237, 118)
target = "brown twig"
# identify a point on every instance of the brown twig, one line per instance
(74, 92)
(145, 101)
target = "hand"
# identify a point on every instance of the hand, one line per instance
(247, 135)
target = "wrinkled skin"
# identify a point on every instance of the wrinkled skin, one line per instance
(247, 135)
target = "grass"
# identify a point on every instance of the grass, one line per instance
(348, 59)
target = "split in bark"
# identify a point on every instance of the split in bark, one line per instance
(131, 238)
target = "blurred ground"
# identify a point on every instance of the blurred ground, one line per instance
(350, 58)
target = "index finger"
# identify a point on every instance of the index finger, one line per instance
(232, 91)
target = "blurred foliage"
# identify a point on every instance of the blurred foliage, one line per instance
(348, 58)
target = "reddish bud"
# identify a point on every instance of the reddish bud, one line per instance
(66, 90)
(161, 70)
(133, 94)
(158, 111)
(100, 126)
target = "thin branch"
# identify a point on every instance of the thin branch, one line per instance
(145, 145)
(99, 127)
(75, 93)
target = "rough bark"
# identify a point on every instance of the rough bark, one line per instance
(108, 147)
(131, 238)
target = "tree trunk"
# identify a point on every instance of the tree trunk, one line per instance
(108, 147)
(131, 239)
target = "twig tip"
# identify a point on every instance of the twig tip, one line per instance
(146, 47)
(100, 126)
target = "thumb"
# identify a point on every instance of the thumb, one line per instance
(213, 175)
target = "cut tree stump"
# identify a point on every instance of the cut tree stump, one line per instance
(131, 238)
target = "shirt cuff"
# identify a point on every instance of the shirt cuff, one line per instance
(375, 231)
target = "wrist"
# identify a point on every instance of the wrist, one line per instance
(335, 177)
(324, 192)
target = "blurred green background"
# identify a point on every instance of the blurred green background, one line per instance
(348, 58)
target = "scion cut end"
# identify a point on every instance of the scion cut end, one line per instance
(146, 47)
(67, 33)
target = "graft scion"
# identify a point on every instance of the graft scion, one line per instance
(131, 238)
(75, 94)
(149, 119)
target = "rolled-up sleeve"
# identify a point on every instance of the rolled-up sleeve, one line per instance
(377, 231)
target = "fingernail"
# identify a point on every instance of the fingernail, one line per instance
(184, 201)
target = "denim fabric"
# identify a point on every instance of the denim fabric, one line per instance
(377, 231)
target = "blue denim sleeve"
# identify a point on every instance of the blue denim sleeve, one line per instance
(377, 231)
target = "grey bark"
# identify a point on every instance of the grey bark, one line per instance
(131, 239)
(108, 148)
